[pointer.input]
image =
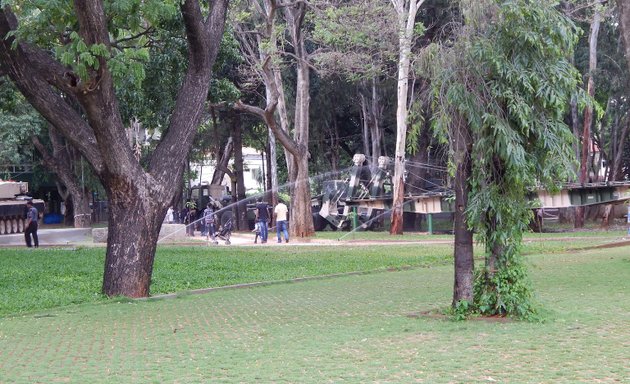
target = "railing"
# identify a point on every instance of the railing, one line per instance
(13, 170)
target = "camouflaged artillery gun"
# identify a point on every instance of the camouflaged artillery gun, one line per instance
(13, 200)
(367, 195)
(343, 199)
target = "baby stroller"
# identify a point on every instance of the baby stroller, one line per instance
(225, 231)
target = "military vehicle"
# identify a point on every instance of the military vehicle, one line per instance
(13, 198)
(345, 201)
(365, 198)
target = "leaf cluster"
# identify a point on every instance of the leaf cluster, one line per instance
(130, 23)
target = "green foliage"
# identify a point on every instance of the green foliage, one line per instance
(509, 76)
(18, 123)
(361, 40)
(461, 310)
(146, 54)
(508, 291)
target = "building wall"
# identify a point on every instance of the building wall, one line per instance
(253, 166)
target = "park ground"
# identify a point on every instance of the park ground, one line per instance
(384, 327)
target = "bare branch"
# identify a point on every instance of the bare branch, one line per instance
(117, 43)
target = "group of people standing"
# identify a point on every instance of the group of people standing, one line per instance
(208, 222)
(263, 218)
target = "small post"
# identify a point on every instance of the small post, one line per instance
(628, 219)
(355, 220)
(430, 223)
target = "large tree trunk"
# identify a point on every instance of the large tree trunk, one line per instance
(138, 196)
(78, 213)
(134, 225)
(301, 222)
(301, 218)
(82, 213)
(463, 252)
(588, 112)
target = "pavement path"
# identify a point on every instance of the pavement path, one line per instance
(51, 237)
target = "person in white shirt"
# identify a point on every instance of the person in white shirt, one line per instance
(169, 216)
(281, 211)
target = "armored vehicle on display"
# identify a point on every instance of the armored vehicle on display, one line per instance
(13, 198)
(366, 197)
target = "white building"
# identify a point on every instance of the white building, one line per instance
(254, 168)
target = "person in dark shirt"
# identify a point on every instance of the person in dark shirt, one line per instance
(31, 225)
(227, 223)
(262, 217)
(209, 220)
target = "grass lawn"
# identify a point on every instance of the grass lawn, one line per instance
(36, 279)
(375, 327)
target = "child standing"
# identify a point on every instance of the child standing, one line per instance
(257, 231)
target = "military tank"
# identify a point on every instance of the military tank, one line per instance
(13, 198)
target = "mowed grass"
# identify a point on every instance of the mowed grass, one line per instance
(369, 328)
(36, 279)
(40, 279)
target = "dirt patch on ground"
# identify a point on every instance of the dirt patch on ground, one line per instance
(442, 316)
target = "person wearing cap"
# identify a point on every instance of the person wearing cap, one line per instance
(31, 225)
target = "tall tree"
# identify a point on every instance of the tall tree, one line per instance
(588, 111)
(358, 41)
(508, 75)
(89, 40)
(406, 11)
(261, 46)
